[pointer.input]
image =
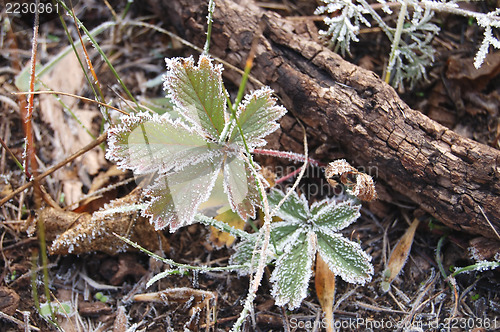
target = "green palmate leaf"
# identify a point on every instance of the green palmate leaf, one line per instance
(245, 254)
(189, 153)
(257, 116)
(291, 275)
(161, 105)
(294, 209)
(146, 143)
(318, 205)
(334, 217)
(283, 233)
(345, 258)
(239, 185)
(176, 197)
(198, 92)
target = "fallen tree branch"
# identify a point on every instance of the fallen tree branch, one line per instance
(451, 177)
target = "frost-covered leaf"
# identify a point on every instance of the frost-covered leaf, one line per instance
(244, 253)
(284, 232)
(257, 116)
(217, 201)
(79, 233)
(147, 143)
(235, 180)
(291, 275)
(240, 187)
(345, 258)
(243, 256)
(318, 205)
(345, 24)
(160, 106)
(189, 152)
(176, 197)
(198, 92)
(335, 217)
(295, 208)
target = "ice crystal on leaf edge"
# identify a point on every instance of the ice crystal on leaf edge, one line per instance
(304, 232)
(188, 153)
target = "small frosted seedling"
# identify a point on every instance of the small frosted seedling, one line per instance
(344, 27)
(189, 153)
(411, 50)
(305, 231)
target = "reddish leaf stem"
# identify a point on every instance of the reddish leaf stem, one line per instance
(288, 155)
(288, 176)
(30, 162)
(291, 156)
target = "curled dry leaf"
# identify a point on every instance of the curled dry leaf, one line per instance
(9, 301)
(324, 281)
(358, 184)
(77, 233)
(399, 255)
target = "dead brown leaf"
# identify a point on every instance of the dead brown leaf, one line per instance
(68, 134)
(360, 184)
(463, 71)
(483, 249)
(399, 255)
(77, 233)
(220, 238)
(324, 281)
(9, 301)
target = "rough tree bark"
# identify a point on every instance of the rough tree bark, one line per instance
(451, 177)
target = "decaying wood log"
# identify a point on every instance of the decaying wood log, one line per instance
(451, 177)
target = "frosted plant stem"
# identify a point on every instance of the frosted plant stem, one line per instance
(301, 174)
(288, 155)
(395, 41)
(266, 229)
(381, 23)
(480, 266)
(180, 266)
(257, 278)
(211, 8)
(453, 9)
